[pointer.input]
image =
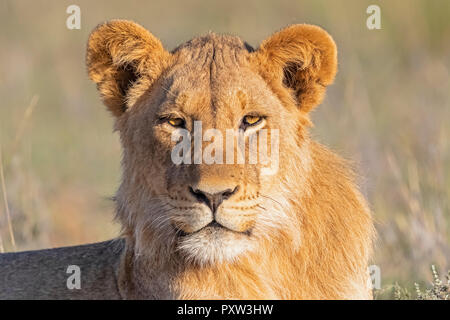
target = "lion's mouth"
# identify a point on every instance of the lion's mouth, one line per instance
(211, 227)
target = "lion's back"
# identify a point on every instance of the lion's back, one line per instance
(43, 274)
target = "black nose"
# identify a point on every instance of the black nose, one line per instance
(212, 200)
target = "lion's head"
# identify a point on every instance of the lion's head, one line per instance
(213, 207)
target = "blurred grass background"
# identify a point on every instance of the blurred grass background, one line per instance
(388, 110)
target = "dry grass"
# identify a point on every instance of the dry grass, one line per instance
(389, 110)
(439, 290)
(5, 200)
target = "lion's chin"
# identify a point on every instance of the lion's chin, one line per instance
(212, 245)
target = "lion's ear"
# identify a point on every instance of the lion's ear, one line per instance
(302, 58)
(119, 54)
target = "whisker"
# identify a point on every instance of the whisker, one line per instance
(270, 198)
(260, 206)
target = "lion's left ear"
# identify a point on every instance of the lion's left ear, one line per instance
(302, 58)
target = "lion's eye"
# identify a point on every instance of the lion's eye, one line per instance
(176, 122)
(250, 120)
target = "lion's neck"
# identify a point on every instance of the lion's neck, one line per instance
(149, 276)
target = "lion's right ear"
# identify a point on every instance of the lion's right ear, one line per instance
(120, 54)
(301, 57)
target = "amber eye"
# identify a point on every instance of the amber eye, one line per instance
(176, 122)
(250, 120)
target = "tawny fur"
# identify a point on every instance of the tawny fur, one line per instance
(312, 231)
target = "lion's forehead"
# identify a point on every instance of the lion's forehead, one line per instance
(222, 49)
(212, 77)
(215, 62)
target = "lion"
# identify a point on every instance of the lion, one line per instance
(200, 230)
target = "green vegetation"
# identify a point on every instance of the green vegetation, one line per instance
(439, 290)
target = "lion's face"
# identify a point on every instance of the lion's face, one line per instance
(212, 207)
(211, 144)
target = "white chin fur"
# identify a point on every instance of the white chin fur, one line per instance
(206, 248)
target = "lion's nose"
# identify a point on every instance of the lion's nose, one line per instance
(212, 200)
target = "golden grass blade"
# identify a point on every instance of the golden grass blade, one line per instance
(23, 123)
(2, 248)
(5, 199)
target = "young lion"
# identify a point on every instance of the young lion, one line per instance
(198, 230)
